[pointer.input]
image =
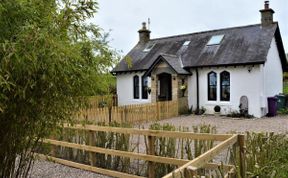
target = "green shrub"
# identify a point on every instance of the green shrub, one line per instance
(179, 148)
(285, 89)
(237, 114)
(266, 155)
(283, 111)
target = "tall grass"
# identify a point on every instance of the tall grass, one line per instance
(108, 140)
(179, 148)
(266, 155)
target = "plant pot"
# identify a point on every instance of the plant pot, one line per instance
(217, 114)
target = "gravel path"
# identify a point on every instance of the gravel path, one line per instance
(278, 124)
(45, 169)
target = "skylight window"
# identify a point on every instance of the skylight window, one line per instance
(149, 47)
(215, 40)
(186, 43)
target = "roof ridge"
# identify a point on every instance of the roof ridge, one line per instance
(165, 54)
(208, 31)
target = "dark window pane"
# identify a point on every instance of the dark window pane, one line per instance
(144, 87)
(225, 86)
(136, 87)
(212, 86)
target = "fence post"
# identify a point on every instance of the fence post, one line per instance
(177, 107)
(125, 114)
(190, 171)
(53, 147)
(110, 113)
(151, 151)
(241, 142)
(91, 142)
(158, 110)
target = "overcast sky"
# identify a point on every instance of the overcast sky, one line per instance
(174, 17)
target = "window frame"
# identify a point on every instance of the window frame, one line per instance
(225, 86)
(215, 40)
(136, 87)
(209, 86)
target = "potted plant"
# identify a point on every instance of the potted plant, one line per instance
(183, 88)
(217, 110)
(148, 89)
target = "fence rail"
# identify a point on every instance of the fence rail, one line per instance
(187, 167)
(130, 113)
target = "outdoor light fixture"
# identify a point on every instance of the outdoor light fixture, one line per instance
(250, 68)
(174, 78)
(152, 78)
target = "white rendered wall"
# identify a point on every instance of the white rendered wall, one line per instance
(192, 90)
(273, 74)
(125, 89)
(242, 83)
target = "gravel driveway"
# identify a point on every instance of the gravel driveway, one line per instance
(46, 169)
(223, 124)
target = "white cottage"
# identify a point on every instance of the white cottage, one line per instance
(218, 67)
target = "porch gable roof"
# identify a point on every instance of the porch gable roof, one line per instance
(173, 61)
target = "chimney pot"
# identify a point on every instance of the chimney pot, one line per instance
(266, 15)
(266, 5)
(144, 26)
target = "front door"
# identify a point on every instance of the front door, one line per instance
(165, 87)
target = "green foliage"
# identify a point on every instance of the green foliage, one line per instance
(285, 76)
(283, 111)
(266, 155)
(236, 114)
(165, 147)
(179, 148)
(49, 60)
(107, 140)
(200, 111)
(285, 89)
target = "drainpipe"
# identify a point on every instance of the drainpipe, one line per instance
(197, 89)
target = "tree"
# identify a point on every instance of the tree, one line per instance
(50, 59)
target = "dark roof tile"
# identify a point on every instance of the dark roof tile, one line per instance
(240, 45)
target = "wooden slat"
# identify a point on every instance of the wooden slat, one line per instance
(156, 133)
(213, 166)
(89, 168)
(230, 173)
(204, 158)
(158, 159)
(133, 113)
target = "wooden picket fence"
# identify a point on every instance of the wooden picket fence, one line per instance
(186, 168)
(132, 114)
(103, 101)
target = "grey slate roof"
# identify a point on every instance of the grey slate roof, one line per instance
(173, 61)
(240, 46)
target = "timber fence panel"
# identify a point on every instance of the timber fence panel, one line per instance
(132, 114)
(186, 167)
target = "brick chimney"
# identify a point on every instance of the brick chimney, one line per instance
(266, 15)
(144, 34)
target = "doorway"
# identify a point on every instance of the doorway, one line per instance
(164, 87)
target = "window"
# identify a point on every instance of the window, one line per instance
(149, 47)
(212, 86)
(145, 87)
(136, 87)
(225, 86)
(186, 43)
(215, 40)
